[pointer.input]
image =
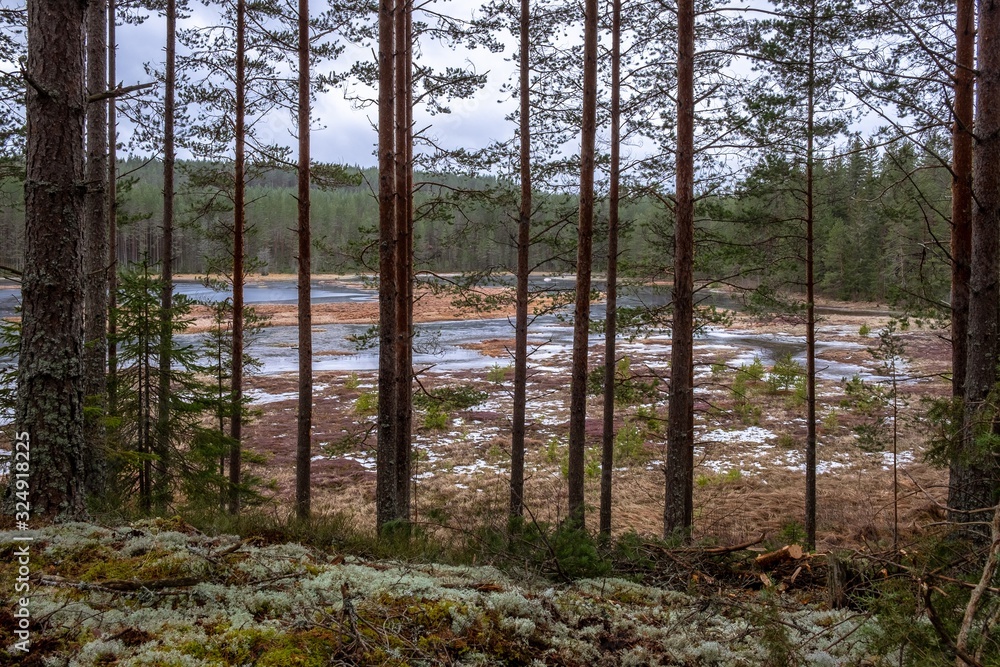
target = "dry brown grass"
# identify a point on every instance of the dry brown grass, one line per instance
(464, 482)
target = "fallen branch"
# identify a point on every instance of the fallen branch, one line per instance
(942, 632)
(122, 585)
(708, 551)
(719, 551)
(975, 599)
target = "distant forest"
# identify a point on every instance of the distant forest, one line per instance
(880, 221)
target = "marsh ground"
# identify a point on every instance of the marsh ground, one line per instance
(750, 430)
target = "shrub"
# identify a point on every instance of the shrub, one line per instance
(754, 372)
(629, 444)
(366, 403)
(435, 420)
(448, 399)
(785, 374)
(629, 390)
(497, 373)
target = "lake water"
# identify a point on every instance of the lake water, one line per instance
(443, 345)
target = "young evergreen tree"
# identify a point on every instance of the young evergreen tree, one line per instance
(232, 81)
(193, 475)
(13, 21)
(802, 104)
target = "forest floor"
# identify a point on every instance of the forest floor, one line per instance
(159, 592)
(162, 592)
(750, 429)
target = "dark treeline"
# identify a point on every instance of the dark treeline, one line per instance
(881, 219)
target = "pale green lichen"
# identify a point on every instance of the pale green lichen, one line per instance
(275, 591)
(520, 627)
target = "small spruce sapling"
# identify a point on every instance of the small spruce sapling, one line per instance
(879, 404)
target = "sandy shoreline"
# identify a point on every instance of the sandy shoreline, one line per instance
(440, 307)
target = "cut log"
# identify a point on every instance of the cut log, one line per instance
(782, 555)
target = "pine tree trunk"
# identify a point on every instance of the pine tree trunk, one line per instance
(388, 366)
(95, 307)
(95, 215)
(50, 363)
(112, 211)
(581, 313)
(161, 490)
(239, 223)
(611, 303)
(961, 197)
(303, 455)
(810, 504)
(678, 508)
(975, 473)
(523, 271)
(403, 243)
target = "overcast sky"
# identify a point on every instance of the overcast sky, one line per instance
(344, 132)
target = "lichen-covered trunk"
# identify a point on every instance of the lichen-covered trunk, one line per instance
(303, 452)
(678, 509)
(974, 472)
(50, 367)
(523, 270)
(611, 301)
(585, 237)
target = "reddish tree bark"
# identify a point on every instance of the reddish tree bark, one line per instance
(523, 271)
(403, 269)
(112, 211)
(161, 468)
(974, 472)
(303, 454)
(95, 307)
(678, 510)
(581, 313)
(388, 370)
(95, 212)
(239, 221)
(810, 504)
(611, 303)
(961, 191)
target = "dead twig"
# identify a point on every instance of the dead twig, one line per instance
(941, 631)
(122, 585)
(975, 599)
